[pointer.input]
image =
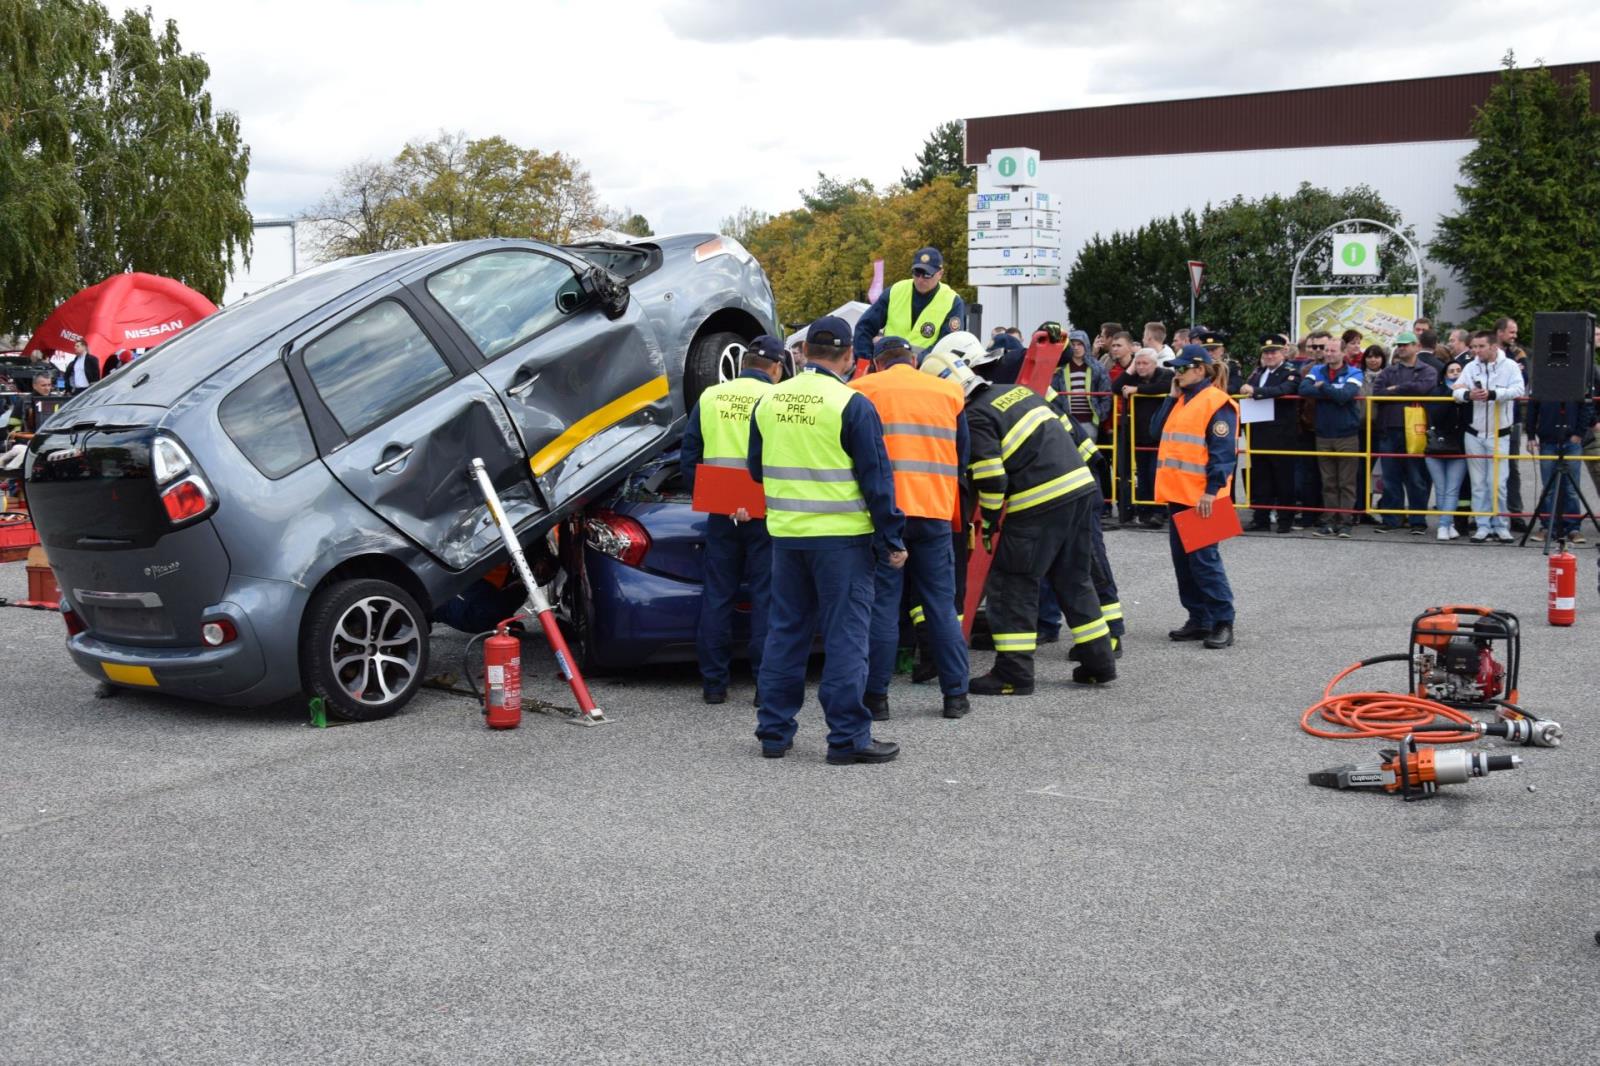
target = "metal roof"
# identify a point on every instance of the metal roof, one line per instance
(1386, 112)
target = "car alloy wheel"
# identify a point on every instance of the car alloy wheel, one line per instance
(375, 650)
(728, 361)
(363, 648)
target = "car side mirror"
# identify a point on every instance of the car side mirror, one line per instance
(610, 291)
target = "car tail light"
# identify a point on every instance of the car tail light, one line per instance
(720, 246)
(74, 621)
(187, 500)
(618, 536)
(218, 632)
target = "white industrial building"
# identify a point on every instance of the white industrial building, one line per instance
(1119, 167)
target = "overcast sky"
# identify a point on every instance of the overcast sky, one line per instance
(685, 110)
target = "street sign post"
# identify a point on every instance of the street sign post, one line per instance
(1197, 269)
(1013, 235)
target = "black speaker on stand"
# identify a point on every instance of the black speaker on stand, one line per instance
(1561, 368)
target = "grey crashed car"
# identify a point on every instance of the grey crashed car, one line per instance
(276, 500)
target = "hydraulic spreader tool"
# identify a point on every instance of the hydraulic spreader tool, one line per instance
(1415, 773)
(1463, 662)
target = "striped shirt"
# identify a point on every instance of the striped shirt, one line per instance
(1078, 394)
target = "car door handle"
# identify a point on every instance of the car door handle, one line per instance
(521, 387)
(392, 462)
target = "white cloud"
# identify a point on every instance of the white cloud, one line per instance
(688, 111)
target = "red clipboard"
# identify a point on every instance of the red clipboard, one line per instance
(1196, 532)
(724, 489)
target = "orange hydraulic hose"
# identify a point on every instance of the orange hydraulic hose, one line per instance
(1381, 715)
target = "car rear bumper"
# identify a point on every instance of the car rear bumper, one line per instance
(259, 667)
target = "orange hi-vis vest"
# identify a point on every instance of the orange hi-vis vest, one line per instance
(1181, 459)
(919, 413)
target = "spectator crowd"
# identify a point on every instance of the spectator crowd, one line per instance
(1354, 434)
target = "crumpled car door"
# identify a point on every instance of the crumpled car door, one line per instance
(586, 385)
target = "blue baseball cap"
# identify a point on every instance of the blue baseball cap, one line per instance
(830, 331)
(767, 347)
(889, 345)
(1189, 355)
(927, 261)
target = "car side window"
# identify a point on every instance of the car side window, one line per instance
(263, 418)
(503, 298)
(374, 365)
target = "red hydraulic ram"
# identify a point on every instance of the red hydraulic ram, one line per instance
(537, 603)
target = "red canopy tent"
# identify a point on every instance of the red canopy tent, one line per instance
(123, 311)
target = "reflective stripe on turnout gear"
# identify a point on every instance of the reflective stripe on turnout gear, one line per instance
(1090, 631)
(1050, 490)
(1016, 641)
(1024, 429)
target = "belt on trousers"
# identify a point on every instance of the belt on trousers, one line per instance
(1503, 433)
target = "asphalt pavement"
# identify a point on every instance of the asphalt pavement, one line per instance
(1134, 874)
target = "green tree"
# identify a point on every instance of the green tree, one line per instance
(820, 256)
(1249, 247)
(453, 188)
(358, 216)
(1134, 277)
(943, 153)
(633, 224)
(1524, 238)
(111, 157)
(832, 194)
(742, 223)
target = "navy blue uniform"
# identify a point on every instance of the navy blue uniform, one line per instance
(826, 582)
(874, 318)
(736, 553)
(1202, 582)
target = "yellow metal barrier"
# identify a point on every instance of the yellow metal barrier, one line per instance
(1366, 455)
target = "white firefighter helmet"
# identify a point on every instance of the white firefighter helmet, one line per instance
(953, 358)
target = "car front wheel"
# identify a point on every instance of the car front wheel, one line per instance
(713, 358)
(364, 648)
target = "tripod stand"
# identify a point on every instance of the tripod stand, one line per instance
(1550, 498)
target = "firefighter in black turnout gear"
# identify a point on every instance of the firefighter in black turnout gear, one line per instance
(1022, 460)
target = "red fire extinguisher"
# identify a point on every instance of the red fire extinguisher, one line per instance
(502, 679)
(1563, 588)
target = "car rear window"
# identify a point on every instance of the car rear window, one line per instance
(503, 298)
(264, 419)
(374, 365)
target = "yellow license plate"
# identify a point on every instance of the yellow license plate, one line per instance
(129, 675)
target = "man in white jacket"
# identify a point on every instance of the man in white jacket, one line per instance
(1491, 381)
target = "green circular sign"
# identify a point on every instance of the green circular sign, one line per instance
(1033, 167)
(1353, 254)
(1007, 166)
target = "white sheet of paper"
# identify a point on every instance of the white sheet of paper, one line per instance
(1257, 410)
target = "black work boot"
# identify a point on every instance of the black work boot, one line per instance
(1221, 636)
(1191, 630)
(956, 706)
(1099, 665)
(878, 704)
(990, 685)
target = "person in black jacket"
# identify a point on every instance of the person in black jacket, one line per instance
(1144, 388)
(1556, 431)
(1272, 476)
(1445, 455)
(84, 370)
